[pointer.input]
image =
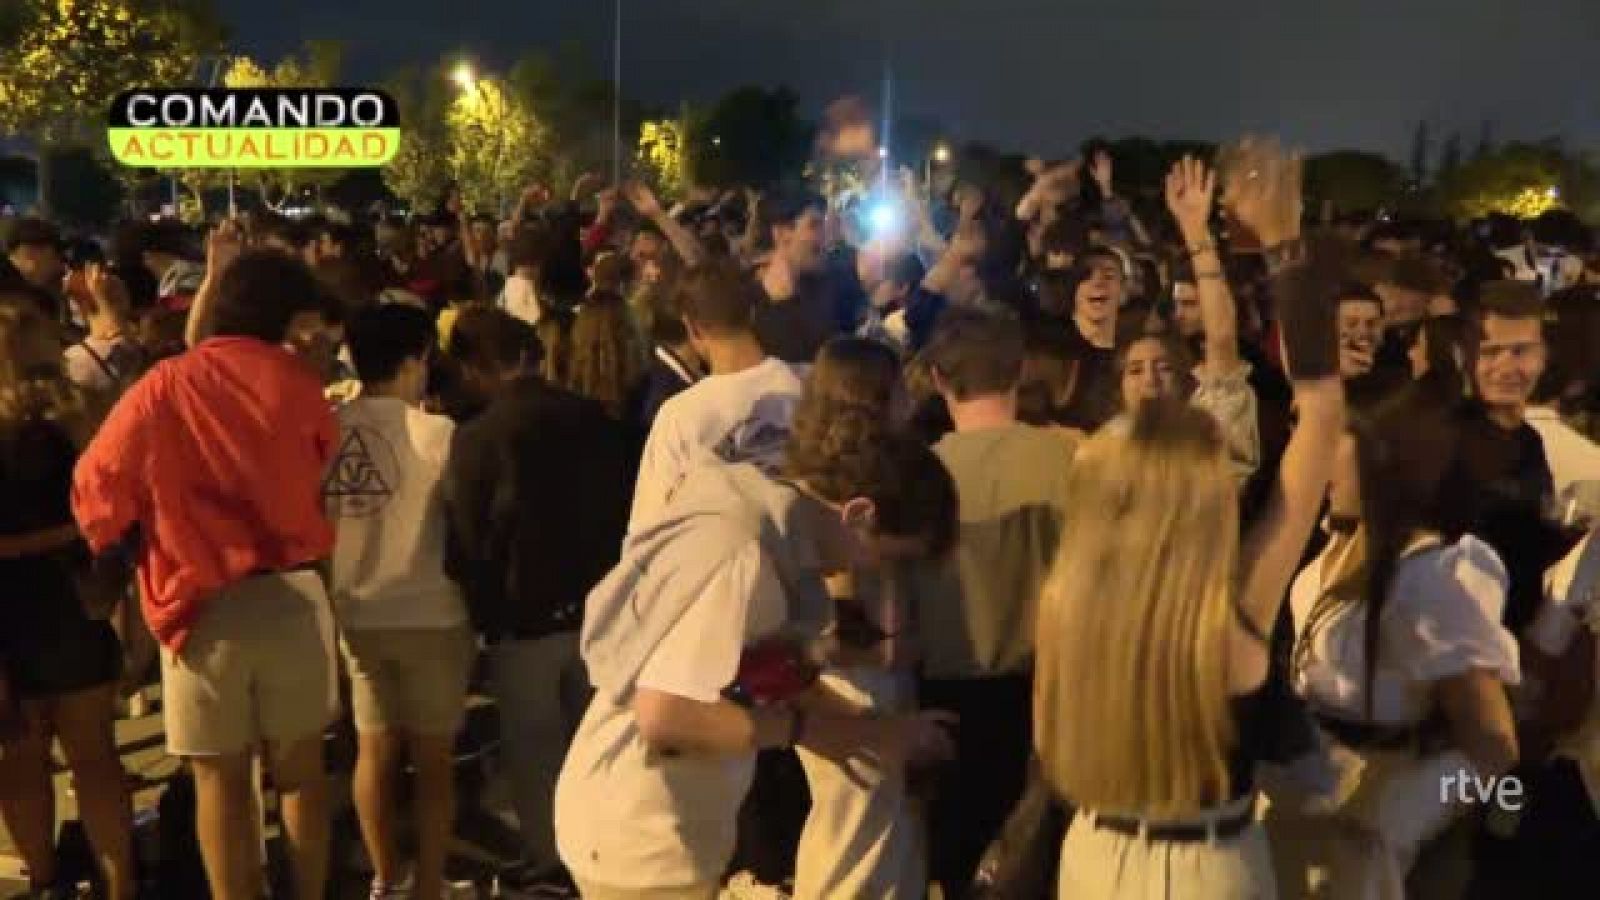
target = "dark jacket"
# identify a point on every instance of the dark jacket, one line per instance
(538, 491)
(1497, 489)
(664, 379)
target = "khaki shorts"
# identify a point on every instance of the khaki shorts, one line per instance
(258, 666)
(413, 679)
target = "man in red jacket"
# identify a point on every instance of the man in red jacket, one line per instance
(207, 473)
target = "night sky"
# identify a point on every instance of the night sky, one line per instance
(1043, 74)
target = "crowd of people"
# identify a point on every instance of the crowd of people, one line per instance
(1017, 548)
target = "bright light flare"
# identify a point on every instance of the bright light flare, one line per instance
(883, 218)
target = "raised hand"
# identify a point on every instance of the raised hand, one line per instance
(1262, 189)
(224, 243)
(607, 200)
(642, 199)
(110, 295)
(1191, 186)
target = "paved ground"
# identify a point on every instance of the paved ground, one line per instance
(484, 835)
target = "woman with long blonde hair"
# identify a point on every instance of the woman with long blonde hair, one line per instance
(1152, 647)
(61, 663)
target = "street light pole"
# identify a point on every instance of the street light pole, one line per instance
(616, 99)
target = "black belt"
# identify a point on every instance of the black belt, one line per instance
(1221, 829)
(286, 570)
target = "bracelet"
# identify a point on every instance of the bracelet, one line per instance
(1202, 247)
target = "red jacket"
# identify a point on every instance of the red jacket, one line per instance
(218, 456)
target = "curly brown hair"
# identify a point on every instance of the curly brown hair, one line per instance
(33, 385)
(844, 445)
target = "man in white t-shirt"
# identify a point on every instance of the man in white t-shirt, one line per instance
(405, 633)
(648, 801)
(520, 295)
(740, 413)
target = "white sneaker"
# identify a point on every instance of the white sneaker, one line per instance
(401, 891)
(744, 886)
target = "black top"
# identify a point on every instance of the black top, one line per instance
(37, 592)
(794, 328)
(1097, 395)
(1498, 488)
(1255, 722)
(538, 491)
(661, 381)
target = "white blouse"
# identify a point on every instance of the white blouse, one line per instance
(1442, 619)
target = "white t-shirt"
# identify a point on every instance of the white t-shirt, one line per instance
(629, 818)
(382, 494)
(98, 364)
(1442, 619)
(520, 298)
(735, 417)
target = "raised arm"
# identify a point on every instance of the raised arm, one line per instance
(1264, 192)
(223, 245)
(644, 201)
(1190, 188)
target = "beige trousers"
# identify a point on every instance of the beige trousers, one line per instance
(1106, 865)
(1364, 848)
(597, 892)
(864, 836)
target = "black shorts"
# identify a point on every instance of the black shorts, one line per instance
(64, 659)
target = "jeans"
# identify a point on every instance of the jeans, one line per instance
(541, 691)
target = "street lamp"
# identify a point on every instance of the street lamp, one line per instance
(940, 155)
(464, 78)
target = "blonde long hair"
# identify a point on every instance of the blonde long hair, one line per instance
(1131, 708)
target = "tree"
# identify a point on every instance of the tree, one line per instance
(663, 156)
(494, 141)
(1485, 144)
(66, 59)
(1519, 179)
(1450, 155)
(317, 67)
(1352, 181)
(752, 136)
(1421, 149)
(420, 170)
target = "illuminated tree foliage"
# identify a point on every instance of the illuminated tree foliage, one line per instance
(62, 61)
(317, 67)
(663, 156)
(1523, 180)
(420, 170)
(494, 144)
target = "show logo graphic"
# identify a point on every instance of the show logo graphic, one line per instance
(252, 128)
